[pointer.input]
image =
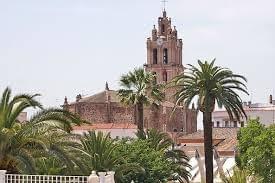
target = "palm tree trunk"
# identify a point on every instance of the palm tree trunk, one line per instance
(208, 150)
(140, 116)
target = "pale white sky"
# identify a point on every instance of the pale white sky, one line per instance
(64, 47)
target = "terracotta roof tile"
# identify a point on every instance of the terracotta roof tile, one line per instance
(227, 138)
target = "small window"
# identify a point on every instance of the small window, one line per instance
(155, 77)
(155, 56)
(162, 28)
(235, 124)
(226, 124)
(165, 76)
(218, 124)
(165, 56)
(242, 123)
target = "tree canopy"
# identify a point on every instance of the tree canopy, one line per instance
(256, 146)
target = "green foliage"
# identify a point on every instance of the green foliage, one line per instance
(256, 145)
(210, 84)
(139, 86)
(156, 167)
(241, 176)
(161, 141)
(22, 143)
(98, 150)
(154, 153)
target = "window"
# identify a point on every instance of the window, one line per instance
(155, 56)
(155, 77)
(162, 28)
(235, 124)
(165, 56)
(164, 76)
(218, 124)
(242, 123)
(226, 124)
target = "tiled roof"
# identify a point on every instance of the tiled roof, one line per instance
(226, 138)
(101, 97)
(95, 126)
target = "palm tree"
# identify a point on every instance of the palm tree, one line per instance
(98, 149)
(61, 157)
(139, 88)
(20, 142)
(210, 84)
(161, 141)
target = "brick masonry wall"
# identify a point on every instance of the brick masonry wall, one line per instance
(154, 117)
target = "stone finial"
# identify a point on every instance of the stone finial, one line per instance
(164, 13)
(101, 176)
(154, 33)
(93, 178)
(107, 86)
(78, 97)
(65, 101)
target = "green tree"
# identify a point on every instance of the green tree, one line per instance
(20, 142)
(139, 88)
(62, 155)
(99, 150)
(156, 167)
(210, 84)
(161, 141)
(256, 145)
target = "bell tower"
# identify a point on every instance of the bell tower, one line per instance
(164, 52)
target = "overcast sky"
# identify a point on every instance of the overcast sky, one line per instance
(65, 47)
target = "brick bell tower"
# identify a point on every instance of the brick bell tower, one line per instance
(164, 53)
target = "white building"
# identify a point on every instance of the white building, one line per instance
(22, 117)
(265, 112)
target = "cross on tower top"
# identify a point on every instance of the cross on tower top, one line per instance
(164, 4)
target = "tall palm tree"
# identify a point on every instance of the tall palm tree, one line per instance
(139, 88)
(161, 141)
(210, 84)
(19, 141)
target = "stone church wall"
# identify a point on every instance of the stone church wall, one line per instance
(154, 117)
(121, 114)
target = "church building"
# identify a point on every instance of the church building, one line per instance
(164, 58)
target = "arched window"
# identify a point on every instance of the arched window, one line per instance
(164, 76)
(165, 56)
(155, 56)
(162, 28)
